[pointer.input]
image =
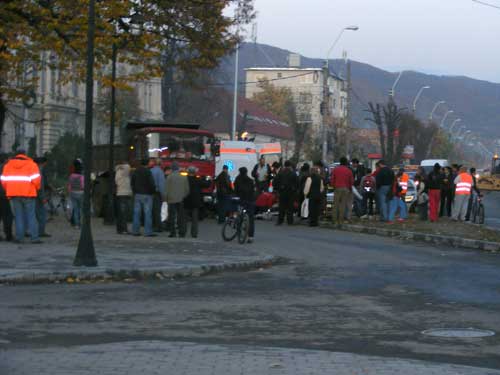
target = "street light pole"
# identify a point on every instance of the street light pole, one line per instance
(85, 254)
(392, 92)
(235, 94)
(436, 107)
(418, 97)
(454, 123)
(445, 117)
(325, 105)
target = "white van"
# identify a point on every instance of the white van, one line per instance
(236, 154)
(428, 164)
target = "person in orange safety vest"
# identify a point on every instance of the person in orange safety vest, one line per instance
(463, 186)
(21, 181)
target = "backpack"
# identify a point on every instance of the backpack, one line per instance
(369, 184)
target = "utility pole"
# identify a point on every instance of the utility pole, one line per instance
(325, 110)
(235, 98)
(348, 111)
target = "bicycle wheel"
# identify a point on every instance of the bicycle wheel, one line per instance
(243, 229)
(229, 229)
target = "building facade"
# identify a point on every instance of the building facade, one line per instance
(58, 108)
(306, 85)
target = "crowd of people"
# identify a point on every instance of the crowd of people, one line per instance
(150, 188)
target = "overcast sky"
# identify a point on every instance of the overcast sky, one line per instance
(452, 37)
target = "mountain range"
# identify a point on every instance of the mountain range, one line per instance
(476, 102)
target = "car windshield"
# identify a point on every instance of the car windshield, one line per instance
(180, 146)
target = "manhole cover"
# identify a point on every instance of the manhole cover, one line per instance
(458, 332)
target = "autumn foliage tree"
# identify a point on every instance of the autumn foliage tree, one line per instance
(280, 102)
(197, 32)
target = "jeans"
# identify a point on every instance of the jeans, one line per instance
(383, 202)
(41, 215)
(143, 203)
(25, 217)
(122, 210)
(76, 205)
(395, 204)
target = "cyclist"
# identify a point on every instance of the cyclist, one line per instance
(244, 188)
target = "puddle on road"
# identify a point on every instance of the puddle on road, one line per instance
(458, 332)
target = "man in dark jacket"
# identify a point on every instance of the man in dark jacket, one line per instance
(384, 180)
(224, 191)
(286, 184)
(261, 173)
(193, 202)
(143, 187)
(244, 188)
(313, 190)
(5, 212)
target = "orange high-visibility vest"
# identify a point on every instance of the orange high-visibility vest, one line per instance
(403, 183)
(21, 177)
(464, 187)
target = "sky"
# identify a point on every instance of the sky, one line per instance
(448, 37)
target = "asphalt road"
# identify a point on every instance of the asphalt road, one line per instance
(341, 292)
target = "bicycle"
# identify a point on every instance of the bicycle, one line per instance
(58, 201)
(237, 223)
(477, 211)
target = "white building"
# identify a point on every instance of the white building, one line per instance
(306, 85)
(59, 108)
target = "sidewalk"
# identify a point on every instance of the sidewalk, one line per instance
(158, 357)
(122, 257)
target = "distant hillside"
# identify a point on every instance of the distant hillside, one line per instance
(476, 102)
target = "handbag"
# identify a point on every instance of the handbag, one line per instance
(164, 211)
(304, 209)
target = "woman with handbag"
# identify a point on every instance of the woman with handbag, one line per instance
(313, 189)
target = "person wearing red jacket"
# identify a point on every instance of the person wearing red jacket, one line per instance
(21, 181)
(342, 181)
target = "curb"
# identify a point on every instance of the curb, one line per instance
(492, 247)
(132, 275)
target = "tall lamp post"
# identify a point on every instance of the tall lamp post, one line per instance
(418, 97)
(85, 254)
(325, 108)
(435, 108)
(392, 92)
(235, 94)
(445, 117)
(454, 123)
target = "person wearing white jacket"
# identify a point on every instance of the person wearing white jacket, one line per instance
(123, 196)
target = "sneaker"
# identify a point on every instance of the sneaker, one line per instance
(389, 222)
(45, 235)
(401, 220)
(250, 240)
(151, 235)
(364, 217)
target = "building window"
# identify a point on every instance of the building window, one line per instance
(305, 98)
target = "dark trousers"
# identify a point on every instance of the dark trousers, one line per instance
(194, 213)
(176, 214)
(286, 207)
(122, 213)
(422, 210)
(314, 210)
(6, 217)
(221, 208)
(157, 201)
(262, 186)
(446, 201)
(250, 208)
(368, 200)
(41, 215)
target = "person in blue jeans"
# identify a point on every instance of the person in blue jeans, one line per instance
(384, 180)
(143, 187)
(24, 213)
(397, 203)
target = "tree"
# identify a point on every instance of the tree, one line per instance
(280, 102)
(31, 30)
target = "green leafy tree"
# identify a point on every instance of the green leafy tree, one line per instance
(68, 148)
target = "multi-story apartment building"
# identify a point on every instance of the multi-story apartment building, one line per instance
(60, 107)
(306, 85)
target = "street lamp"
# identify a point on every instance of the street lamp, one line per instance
(393, 89)
(436, 107)
(85, 254)
(459, 132)
(418, 97)
(454, 123)
(325, 106)
(445, 117)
